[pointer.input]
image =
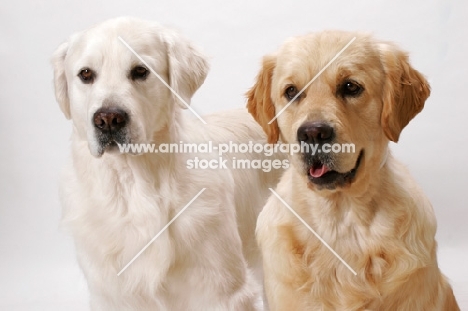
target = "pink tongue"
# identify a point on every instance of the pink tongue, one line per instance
(318, 171)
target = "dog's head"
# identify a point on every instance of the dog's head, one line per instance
(364, 98)
(114, 98)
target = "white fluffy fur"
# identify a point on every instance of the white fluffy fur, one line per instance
(116, 203)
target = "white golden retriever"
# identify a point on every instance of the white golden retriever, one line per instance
(116, 203)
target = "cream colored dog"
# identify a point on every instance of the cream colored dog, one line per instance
(116, 203)
(364, 204)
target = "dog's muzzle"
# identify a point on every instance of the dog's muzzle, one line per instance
(319, 166)
(110, 126)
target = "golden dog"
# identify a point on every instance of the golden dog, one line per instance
(364, 204)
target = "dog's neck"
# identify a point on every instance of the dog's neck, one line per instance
(384, 159)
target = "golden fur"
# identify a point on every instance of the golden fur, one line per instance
(380, 223)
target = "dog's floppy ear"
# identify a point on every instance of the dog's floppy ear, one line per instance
(188, 66)
(60, 80)
(405, 91)
(259, 102)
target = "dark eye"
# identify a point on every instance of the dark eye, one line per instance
(139, 73)
(87, 75)
(291, 92)
(350, 89)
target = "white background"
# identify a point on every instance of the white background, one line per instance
(38, 269)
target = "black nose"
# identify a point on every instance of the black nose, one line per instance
(110, 119)
(315, 133)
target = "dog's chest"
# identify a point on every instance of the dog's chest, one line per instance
(112, 221)
(334, 278)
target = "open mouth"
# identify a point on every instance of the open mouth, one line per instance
(320, 174)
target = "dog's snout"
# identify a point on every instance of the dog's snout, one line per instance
(110, 119)
(315, 133)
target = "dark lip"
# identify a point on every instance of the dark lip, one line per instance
(333, 179)
(113, 138)
(109, 141)
(110, 144)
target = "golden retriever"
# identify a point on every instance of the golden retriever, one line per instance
(364, 204)
(115, 203)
